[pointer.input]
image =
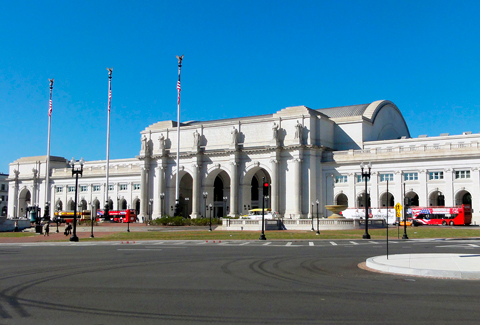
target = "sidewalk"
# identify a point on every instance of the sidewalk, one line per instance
(456, 266)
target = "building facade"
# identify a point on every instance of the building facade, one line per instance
(305, 155)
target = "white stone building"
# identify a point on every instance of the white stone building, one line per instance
(304, 154)
(3, 194)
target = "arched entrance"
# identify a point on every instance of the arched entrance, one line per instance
(463, 197)
(342, 199)
(185, 200)
(83, 205)
(217, 189)
(253, 189)
(437, 199)
(24, 200)
(387, 202)
(413, 198)
(59, 205)
(361, 200)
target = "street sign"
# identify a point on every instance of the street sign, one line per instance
(398, 207)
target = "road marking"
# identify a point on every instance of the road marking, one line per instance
(155, 247)
(461, 245)
(373, 242)
(355, 243)
(311, 243)
(179, 243)
(246, 243)
(289, 243)
(333, 243)
(267, 243)
(139, 249)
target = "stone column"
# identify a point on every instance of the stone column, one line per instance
(297, 188)
(234, 190)
(374, 199)
(156, 193)
(423, 195)
(274, 186)
(195, 192)
(449, 193)
(144, 192)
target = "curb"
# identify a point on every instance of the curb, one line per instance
(375, 264)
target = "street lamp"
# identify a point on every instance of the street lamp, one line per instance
(46, 213)
(150, 203)
(225, 204)
(211, 208)
(205, 195)
(265, 192)
(93, 217)
(318, 222)
(312, 218)
(366, 176)
(162, 210)
(128, 218)
(57, 218)
(76, 172)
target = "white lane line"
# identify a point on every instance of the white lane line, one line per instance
(311, 243)
(267, 243)
(333, 243)
(167, 247)
(246, 243)
(139, 249)
(373, 242)
(355, 243)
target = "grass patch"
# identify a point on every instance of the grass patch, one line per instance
(16, 234)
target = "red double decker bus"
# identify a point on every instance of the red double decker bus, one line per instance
(457, 216)
(119, 215)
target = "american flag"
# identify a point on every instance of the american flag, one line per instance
(50, 108)
(109, 99)
(178, 89)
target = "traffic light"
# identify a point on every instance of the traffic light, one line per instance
(265, 188)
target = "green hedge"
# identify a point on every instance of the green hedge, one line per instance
(180, 221)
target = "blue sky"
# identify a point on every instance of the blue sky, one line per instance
(241, 58)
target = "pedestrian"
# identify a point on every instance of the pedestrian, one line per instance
(68, 229)
(46, 229)
(16, 226)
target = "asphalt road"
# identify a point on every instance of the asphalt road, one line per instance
(233, 282)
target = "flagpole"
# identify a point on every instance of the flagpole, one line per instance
(177, 184)
(107, 207)
(47, 167)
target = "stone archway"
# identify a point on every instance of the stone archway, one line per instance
(253, 189)
(217, 190)
(186, 191)
(361, 200)
(341, 199)
(463, 197)
(24, 200)
(387, 203)
(436, 198)
(413, 198)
